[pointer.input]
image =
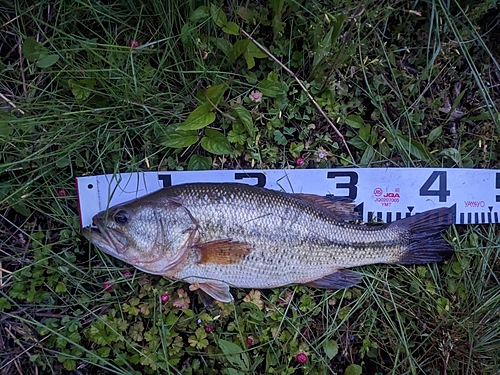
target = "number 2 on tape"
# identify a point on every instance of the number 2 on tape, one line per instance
(442, 192)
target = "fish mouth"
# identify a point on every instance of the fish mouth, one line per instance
(108, 240)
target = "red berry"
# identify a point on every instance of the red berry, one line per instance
(133, 43)
(301, 358)
(62, 192)
(164, 298)
(108, 285)
(209, 329)
(249, 340)
(299, 161)
(127, 273)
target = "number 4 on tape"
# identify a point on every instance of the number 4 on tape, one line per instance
(442, 192)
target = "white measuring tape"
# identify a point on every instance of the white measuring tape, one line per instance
(381, 194)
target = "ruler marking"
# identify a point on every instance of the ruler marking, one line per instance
(498, 186)
(261, 177)
(165, 179)
(379, 189)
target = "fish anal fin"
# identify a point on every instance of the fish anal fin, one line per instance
(341, 208)
(338, 280)
(215, 289)
(223, 252)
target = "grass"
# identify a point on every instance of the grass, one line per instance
(406, 84)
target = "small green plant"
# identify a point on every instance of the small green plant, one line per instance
(38, 54)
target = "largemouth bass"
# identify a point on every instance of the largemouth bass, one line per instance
(217, 235)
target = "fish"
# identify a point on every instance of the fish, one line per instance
(220, 235)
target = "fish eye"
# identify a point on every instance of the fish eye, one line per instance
(121, 217)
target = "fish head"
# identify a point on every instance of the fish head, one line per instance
(152, 235)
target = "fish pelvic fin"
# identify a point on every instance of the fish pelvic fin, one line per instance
(341, 208)
(426, 244)
(207, 300)
(224, 251)
(340, 279)
(218, 290)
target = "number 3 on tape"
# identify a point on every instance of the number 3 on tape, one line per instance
(351, 185)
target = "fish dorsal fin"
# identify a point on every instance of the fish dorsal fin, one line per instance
(224, 251)
(215, 289)
(338, 280)
(341, 208)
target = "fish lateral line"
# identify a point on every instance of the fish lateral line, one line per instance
(258, 217)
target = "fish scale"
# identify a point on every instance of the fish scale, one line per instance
(250, 237)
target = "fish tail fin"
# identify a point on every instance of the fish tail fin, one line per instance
(426, 244)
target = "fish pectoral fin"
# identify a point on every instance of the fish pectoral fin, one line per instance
(215, 289)
(338, 280)
(223, 251)
(341, 208)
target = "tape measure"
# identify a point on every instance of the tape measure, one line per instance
(379, 194)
